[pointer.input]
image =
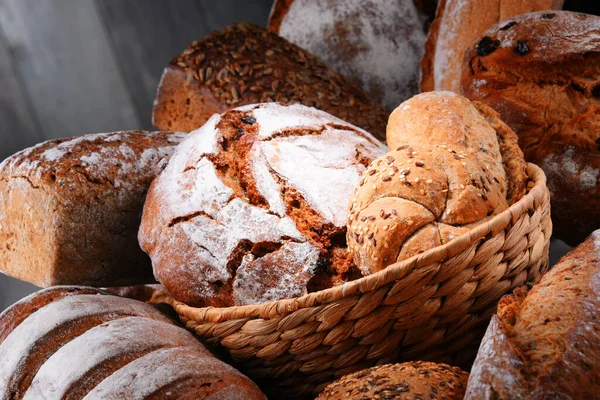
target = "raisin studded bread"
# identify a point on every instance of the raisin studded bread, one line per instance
(245, 64)
(546, 344)
(70, 209)
(77, 342)
(376, 44)
(252, 206)
(406, 381)
(541, 72)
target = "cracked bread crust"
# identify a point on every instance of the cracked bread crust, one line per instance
(245, 64)
(70, 208)
(409, 380)
(546, 343)
(541, 72)
(252, 207)
(446, 175)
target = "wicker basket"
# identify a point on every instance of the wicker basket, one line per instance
(426, 307)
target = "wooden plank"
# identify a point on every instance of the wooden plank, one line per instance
(18, 128)
(146, 35)
(67, 66)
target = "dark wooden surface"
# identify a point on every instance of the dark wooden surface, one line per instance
(70, 67)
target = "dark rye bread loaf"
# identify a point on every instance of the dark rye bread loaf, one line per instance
(245, 64)
(546, 344)
(541, 72)
(252, 206)
(70, 208)
(77, 342)
(407, 381)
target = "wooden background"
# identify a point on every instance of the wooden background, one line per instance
(70, 67)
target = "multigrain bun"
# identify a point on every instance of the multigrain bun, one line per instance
(410, 380)
(79, 342)
(245, 64)
(70, 208)
(541, 72)
(252, 207)
(546, 344)
(450, 170)
(376, 44)
(456, 25)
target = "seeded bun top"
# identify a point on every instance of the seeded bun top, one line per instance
(410, 380)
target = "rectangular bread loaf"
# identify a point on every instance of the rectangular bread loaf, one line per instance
(70, 209)
(546, 344)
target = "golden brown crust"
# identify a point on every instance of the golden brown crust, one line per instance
(457, 24)
(70, 208)
(244, 64)
(545, 344)
(410, 380)
(541, 72)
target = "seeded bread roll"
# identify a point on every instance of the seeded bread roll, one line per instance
(457, 24)
(407, 381)
(546, 344)
(252, 206)
(70, 208)
(376, 44)
(450, 171)
(244, 64)
(541, 72)
(77, 342)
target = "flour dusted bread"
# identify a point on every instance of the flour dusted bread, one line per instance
(70, 208)
(546, 343)
(541, 72)
(78, 342)
(245, 64)
(376, 44)
(252, 207)
(452, 166)
(457, 24)
(410, 380)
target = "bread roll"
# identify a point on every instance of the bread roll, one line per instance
(252, 207)
(541, 72)
(376, 44)
(410, 380)
(244, 64)
(457, 24)
(70, 209)
(451, 170)
(78, 342)
(546, 344)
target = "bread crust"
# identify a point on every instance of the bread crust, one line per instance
(541, 72)
(545, 344)
(70, 208)
(456, 25)
(245, 64)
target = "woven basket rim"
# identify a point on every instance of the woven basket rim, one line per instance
(371, 282)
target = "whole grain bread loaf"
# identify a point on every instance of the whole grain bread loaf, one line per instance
(546, 344)
(454, 166)
(79, 342)
(376, 44)
(245, 64)
(541, 72)
(252, 206)
(70, 209)
(456, 25)
(407, 381)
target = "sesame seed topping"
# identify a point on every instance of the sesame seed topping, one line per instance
(390, 159)
(420, 164)
(371, 218)
(483, 196)
(372, 172)
(363, 219)
(386, 178)
(394, 212)
(370, 235)
(429, 181)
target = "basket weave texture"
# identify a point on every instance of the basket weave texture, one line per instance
(426, 307)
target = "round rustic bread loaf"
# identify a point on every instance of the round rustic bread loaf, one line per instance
(76, 342)
(376, 44)
(541, 72)
(252, 208)
(451, 170)
(410, 380)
